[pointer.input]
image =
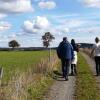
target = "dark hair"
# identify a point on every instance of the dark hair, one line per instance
(64, 38)
(72, 41)
(97, 40)
(75, 46)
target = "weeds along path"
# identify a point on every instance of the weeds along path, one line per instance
(62, 90)
(92, 66)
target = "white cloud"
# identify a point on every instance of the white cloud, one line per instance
(91, 3)
(12, 36)
(65, 30)
(2, 15)
(4, 26)
(4, 40)
(15, 6)
(74, 23)
(47, 5)
(73, 28)
(28, 27)
(90, 30)
(38, 25)
(41, 23)
(67, 26)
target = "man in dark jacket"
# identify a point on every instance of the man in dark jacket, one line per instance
(65, 53)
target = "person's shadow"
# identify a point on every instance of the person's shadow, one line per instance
(57, 76)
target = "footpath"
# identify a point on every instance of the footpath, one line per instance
(62, 90)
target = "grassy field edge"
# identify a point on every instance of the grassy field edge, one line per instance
(86, 88)
(40, 90)
(31, 83)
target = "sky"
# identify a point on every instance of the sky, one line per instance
(26, 21)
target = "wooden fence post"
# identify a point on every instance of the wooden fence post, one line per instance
(1, 74)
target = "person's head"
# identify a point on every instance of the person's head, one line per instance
(97, 40)
(64, 39)
(72, 41)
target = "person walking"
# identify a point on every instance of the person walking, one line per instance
(96, 52)
(65, 53)
(74, 61)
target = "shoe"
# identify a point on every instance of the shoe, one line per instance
(66, 78)
(72, 74)
(97, 74)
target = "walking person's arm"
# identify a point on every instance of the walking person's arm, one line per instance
(92, 52)
(59, 50)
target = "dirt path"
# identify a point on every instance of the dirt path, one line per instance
(92, 66)
(62, 90)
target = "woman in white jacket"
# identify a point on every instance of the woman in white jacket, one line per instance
(74, 62)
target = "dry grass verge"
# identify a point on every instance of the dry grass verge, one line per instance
(30, 85)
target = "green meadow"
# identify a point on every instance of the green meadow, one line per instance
(28, 76)
(30, 70)
(20, 61)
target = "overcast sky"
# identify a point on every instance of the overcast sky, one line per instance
(27, 20)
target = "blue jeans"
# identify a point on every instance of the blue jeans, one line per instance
(66, 63)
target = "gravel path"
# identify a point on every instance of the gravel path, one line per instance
(62, 90)
(92, 66)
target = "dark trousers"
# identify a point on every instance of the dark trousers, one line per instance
(65, 67)
(97, 62)
(73, 69)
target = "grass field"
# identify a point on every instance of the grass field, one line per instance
(86, 88)
(21, 61)
(26, 76)
(26, 71)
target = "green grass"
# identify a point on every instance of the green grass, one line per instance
(37, 91)
(20, 61)
(86, 88)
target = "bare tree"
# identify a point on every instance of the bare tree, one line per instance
(47, 38)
